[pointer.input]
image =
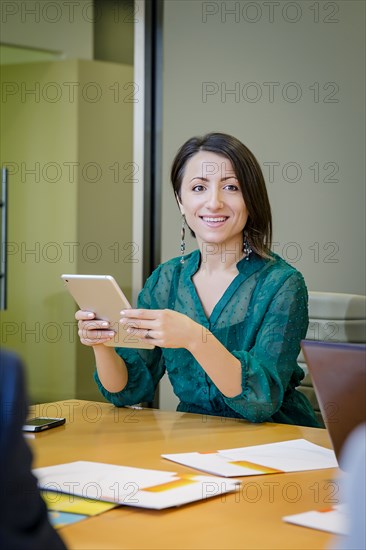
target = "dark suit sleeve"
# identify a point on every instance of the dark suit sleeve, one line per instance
(24, 522)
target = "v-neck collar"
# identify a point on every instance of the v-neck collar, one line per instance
(245, 267)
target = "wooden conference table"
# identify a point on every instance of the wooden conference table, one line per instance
(247, 519)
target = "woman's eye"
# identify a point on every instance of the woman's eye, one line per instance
(198, 188)
(232, 187)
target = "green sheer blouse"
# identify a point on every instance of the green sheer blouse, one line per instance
(260, 319)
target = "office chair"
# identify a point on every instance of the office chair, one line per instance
(333, 317)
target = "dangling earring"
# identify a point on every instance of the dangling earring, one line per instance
(182, 237)
(246, 246)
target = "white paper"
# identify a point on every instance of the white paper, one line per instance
(285, 456)
(289, 456)
(333, 521)
(99, 481)
(202, 488)
(212, 463)
(130, 486)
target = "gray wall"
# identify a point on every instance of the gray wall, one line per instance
(296, 73)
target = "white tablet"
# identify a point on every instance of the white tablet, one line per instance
(102, 295)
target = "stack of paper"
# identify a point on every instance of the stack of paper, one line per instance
(334, 520)
(61, 519)
(66, 509)
(130, 486)
(273, 458)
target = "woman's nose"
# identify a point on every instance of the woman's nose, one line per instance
(214, 200)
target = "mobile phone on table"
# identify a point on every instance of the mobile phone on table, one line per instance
(101, 295)
(40, 423)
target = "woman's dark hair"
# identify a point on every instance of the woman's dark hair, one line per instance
(249, 174)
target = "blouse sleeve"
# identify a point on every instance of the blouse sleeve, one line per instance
(269, 366)
(145, 367)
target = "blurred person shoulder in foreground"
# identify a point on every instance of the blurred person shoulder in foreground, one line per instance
(24, 523)
(353, 490)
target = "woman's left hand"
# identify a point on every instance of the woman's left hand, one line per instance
(162, 327)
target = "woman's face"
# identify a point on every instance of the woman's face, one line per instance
(212, 201)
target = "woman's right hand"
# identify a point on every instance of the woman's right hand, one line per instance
(92, 332)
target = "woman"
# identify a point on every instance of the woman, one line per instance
(228, 318)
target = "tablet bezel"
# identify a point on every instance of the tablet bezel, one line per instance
(102, 295)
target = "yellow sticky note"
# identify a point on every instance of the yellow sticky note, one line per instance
(61, 502)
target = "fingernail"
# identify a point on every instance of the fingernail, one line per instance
(122, 312)
(110, 333)
(105, 324)
(90, 315)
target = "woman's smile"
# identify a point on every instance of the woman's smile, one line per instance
(214, 221)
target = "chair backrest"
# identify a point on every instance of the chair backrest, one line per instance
(333, 317)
